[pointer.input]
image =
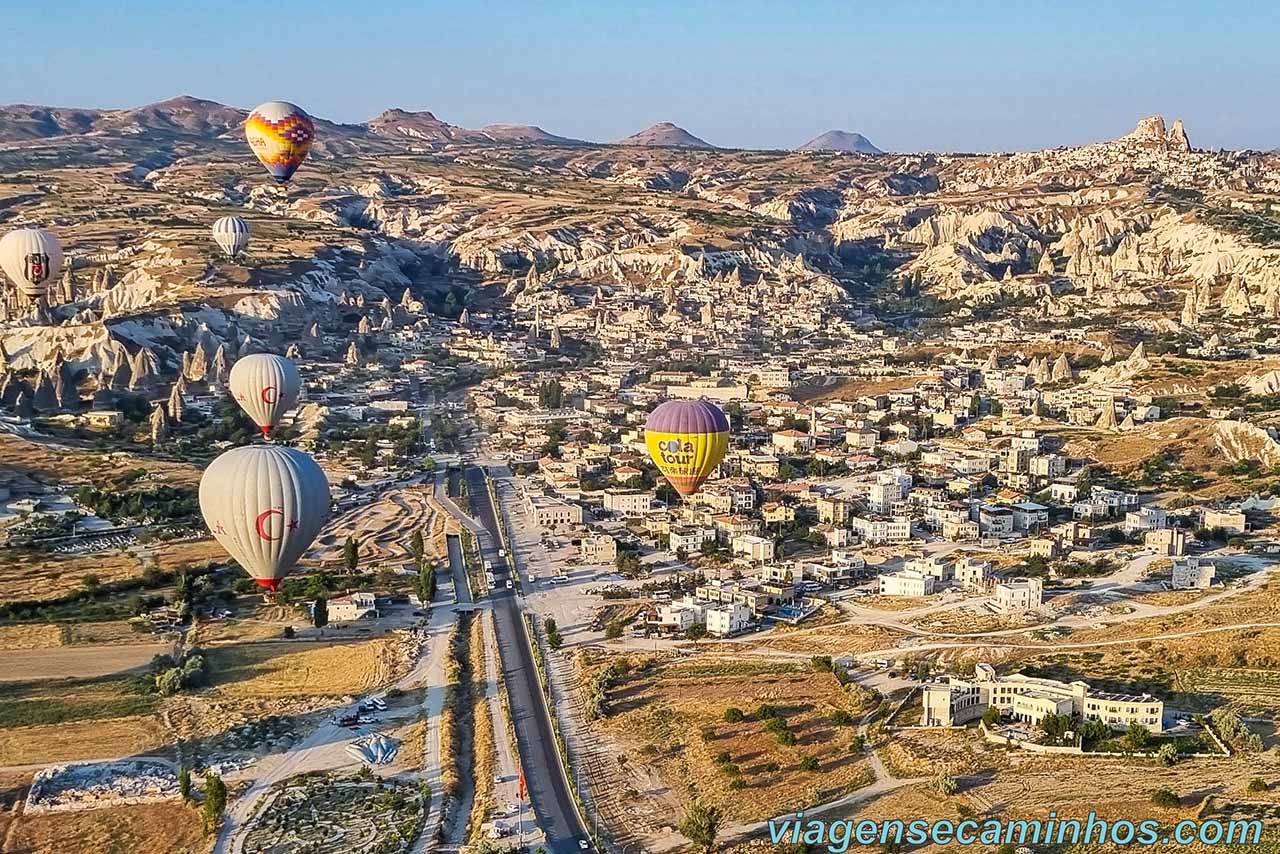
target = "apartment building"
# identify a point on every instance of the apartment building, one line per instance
(552, 512)
(875, 531)
(955, 701)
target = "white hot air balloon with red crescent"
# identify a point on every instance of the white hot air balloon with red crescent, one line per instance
(265, 504)
(266, 387)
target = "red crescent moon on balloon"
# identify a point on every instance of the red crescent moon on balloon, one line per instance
(269, 394)
(261, 523)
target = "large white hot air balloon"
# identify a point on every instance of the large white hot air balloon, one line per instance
(31, 257)
(231, 233)
(265, 504)
(266, 387)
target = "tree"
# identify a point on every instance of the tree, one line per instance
(1165, 798)
(320, 612)
(289, 633)
(215, 801)
(91, 583)
(991, 716)
(416, 547)
(946, 785)
(613, 631)
(1168, 755)
(351, 554)
(733, 715)
(821, 663)
(1258, 785)
(1138, 736)
(809, 763)
(701, 825)
(184, 783)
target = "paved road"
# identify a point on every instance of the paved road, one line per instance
(548, 790)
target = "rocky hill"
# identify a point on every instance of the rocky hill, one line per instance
(841, 140)
(1137, 237)
(666, 135)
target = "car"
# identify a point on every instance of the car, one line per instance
(509, 585)
(584, 845)
(559, 579)
(497, 778)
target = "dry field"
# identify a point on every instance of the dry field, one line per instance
(295, 669)
(85, 739)
(897, 603)
(835, 640)
(80, 662)
(47, 576)
(51, 464)
(670, 715)
(168, 828)
(966, 621)
(41, 636)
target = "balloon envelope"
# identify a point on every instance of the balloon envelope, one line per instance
(266, 387)
(280, 135)
(231, 233)
(264, 504)
(686, 440)
(31, 257)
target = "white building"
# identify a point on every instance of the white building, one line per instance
(1192, 573)
(353, 606)
(907, 583)
(628, 502)
(972, 573)
(1147, 519)
(1019, 595)
(956, 701)
(726, 620)
(874, 531)
(598, 548)
(1230, 521)
(754, 549)
(552, 512)
(689, 539)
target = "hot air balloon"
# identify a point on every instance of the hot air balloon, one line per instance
(231, 233)
(265, 386)
(280, 135)
(31, 257)
(264, 504)
(687, 440)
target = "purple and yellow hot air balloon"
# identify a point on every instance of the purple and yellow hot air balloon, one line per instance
(280, 135)
(687, 440)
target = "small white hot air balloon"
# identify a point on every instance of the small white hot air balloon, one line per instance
(264, 504)
(266, 387)
(231, 233)
(31, 257)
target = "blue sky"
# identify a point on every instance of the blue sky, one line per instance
(959, 76)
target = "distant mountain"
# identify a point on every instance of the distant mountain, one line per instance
(421, 125)
(841, 140)
(184, 115)
(665, 134)
(525, 133)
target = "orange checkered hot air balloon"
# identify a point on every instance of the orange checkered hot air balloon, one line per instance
(280, 135)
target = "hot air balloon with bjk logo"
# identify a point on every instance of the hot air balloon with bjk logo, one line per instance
(687, 440)
(31, 257)
(280, 135)
(264, 504)
(266, 387)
